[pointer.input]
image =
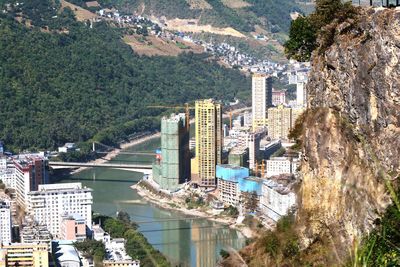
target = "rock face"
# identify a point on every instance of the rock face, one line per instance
(351, 133)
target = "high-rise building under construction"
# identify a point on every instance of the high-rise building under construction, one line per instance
(173, 166)
(208, 142)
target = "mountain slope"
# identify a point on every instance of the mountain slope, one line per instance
(67, 82)
(244, 15)
(350, 139)
(353, 146)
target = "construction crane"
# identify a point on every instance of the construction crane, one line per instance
(230, 120)
(187, 111)
(261, 171)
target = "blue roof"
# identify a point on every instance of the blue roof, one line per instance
(231, 173)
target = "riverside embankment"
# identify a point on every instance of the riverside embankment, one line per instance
(178, 204)
(184, 240)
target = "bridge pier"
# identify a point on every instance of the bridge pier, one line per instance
(94, 147)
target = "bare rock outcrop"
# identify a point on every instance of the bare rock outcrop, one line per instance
(351, 136)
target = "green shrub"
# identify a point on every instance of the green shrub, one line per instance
(224, 254)
(272, 244)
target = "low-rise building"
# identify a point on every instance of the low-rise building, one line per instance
(277, 196)
(121, 263)
(68, 147)
(73, 228)
(281, 165)
(99, 234)
(34, 255)
(35, 233)
(116, 255)
(233, 182)
(65, 254)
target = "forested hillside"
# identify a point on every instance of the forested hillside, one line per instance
(68, 82)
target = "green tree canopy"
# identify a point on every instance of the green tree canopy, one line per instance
(304, 31)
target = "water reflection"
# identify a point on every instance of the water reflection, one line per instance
(185, 242)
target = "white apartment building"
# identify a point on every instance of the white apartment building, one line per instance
(276, 199)
(301, 96)
(228, 192)
(247, 119)
(8, 177)
(281, 165)
(30, 172)
(3, 163)
(51, 202)
(5, 222)
(7, 173)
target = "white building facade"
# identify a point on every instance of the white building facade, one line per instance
(281, 165)
(301, 95)
(276, 200)
(51, 202)
(228, 192)
(30, 172)
(7, 172)
(5, 222)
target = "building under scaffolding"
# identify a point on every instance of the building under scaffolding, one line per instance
(173, 164)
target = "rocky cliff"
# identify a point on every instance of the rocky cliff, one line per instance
(351, 133)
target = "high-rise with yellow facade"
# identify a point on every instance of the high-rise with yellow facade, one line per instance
(279, 122)
(208, 142)
(24, 255)
(261, 99)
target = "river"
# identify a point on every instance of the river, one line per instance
(183, 242)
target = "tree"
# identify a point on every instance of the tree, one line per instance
(302, 39)
(92, 248)
(325, 12)
(305, 30)
(124, 217)
(250, 201)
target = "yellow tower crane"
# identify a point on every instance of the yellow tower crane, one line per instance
(186, 107)
(230, 120)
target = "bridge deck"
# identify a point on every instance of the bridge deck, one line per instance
(140, 168)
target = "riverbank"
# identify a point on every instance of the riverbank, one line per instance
(115, 152)
(176, 204)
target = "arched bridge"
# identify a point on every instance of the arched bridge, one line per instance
(146, 169)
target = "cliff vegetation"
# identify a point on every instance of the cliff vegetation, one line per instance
(348, 207)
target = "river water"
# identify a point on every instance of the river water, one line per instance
(184, 242)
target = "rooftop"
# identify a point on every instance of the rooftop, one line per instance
(283, 184)
(232, 167)
(67, 253)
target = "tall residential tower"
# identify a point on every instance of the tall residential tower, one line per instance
(279, 122)
(208, 142)
(261, 99)
(173, 168)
